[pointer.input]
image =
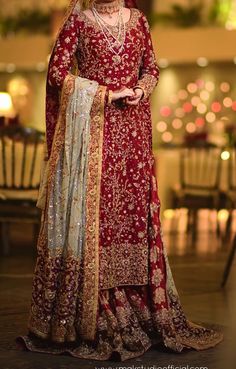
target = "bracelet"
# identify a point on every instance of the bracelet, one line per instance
(110, 95)
(140, 89)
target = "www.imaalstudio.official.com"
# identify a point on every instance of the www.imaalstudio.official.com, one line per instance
(153, 367)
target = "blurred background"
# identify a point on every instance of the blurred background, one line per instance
(194, 142)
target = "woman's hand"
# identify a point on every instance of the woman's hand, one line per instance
(134, 100)
(123, 94)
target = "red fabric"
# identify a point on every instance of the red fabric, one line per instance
(52, 92)
(131, 3)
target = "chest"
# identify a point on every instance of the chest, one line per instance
(94, 45)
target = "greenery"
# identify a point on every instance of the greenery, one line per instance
(191, 15)
(182, 16)
(220, 11)
(26, 21)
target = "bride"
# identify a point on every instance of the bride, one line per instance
(102, 284)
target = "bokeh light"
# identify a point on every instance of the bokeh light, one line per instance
(202, 62)
(191, 127)
(234, 105)
(225, 87)
(195, 100)
(167, 137)
(174, 99)
(216, 106)
(201, 108)
(210, 86)
(187, 107)
(179, 112)
(165, 111)
(225, 155)
(210, 117)
(227, 102)
(177, 123)
(200, 83)
(161, 126)
(200, 122)
(192, 88)
(182, 94)
(223, 215)
(169, 214)
(204, 95)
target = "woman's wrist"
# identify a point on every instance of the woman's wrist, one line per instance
(139, 88)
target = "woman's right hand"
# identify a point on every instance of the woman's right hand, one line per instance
(122, 94)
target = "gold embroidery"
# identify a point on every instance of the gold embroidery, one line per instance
(91, 258)
(122, 263)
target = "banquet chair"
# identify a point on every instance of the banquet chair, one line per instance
(21, 154)
(199, 181)
(230, 194)
(230, 205)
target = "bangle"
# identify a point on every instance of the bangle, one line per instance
(135, 87)
(110, 95)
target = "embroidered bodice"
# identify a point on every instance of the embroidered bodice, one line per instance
(83, 38)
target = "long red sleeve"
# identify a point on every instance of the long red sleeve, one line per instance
(149, 74)
(61, 60)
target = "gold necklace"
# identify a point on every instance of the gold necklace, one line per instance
(108, 8)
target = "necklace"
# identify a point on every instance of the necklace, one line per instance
(115, 43)
(108, 8)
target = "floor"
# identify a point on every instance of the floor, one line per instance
(197, 268)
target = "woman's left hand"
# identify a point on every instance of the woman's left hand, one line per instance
(134, 100)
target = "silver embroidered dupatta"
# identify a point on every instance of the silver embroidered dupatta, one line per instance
(66, 209)
(65, 286)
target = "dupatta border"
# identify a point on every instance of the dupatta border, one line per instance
(91, 257)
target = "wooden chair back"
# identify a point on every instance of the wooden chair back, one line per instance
(200, 167)
(21, 153)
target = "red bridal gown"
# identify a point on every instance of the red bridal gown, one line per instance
(138, 302)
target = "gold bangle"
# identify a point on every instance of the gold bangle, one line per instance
(110, 95)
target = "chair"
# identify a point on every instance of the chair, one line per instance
(231, 205)
(21, 154)
(199, 181)
(231, 192)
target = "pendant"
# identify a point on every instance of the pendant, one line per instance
(116, 59)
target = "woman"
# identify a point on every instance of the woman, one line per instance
(102, 283)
